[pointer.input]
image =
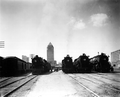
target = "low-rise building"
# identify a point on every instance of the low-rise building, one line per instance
(115, 58)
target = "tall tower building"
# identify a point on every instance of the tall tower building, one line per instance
(50, 54)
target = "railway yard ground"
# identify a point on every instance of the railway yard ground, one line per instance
(59, 84)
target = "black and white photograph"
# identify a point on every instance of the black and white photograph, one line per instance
(59, 48)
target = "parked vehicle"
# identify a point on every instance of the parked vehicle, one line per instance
(67, 64)
(82, 64)
(40, 66)
(101, 63)
(13, 66)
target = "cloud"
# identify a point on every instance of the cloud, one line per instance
(77, 24)
(99, 19)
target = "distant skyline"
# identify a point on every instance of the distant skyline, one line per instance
(72, 26)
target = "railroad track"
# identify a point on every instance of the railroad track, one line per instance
(94, 94)
(4, 79)
(9, 89)
(7, 82)
(114, 73)
(108, 84)
(98, 83)
(106, 77)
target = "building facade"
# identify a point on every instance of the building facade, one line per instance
(50, 54)
(25, 58)
(115, 58)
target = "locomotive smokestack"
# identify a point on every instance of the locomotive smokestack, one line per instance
(98, 53)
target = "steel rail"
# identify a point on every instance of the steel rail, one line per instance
(5, 79)
(17, 88)
(2, 86)
(94, 94)
(108, 85)
(108, 78)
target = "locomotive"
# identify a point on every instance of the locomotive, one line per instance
(13, 66)
(40, 65)
(101, 63)
(82, 64)
(67, 64)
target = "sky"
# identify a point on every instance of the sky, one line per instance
(73, 27)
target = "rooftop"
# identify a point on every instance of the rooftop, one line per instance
(50, 44)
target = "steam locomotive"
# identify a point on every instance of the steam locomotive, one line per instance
(67, 64)
(40, 66)
(82, 64)
(13, 66)
(101, 63)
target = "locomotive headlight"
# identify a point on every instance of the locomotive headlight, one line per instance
(84, 59)
(104, 59)
(67, 60)
(35, 60)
